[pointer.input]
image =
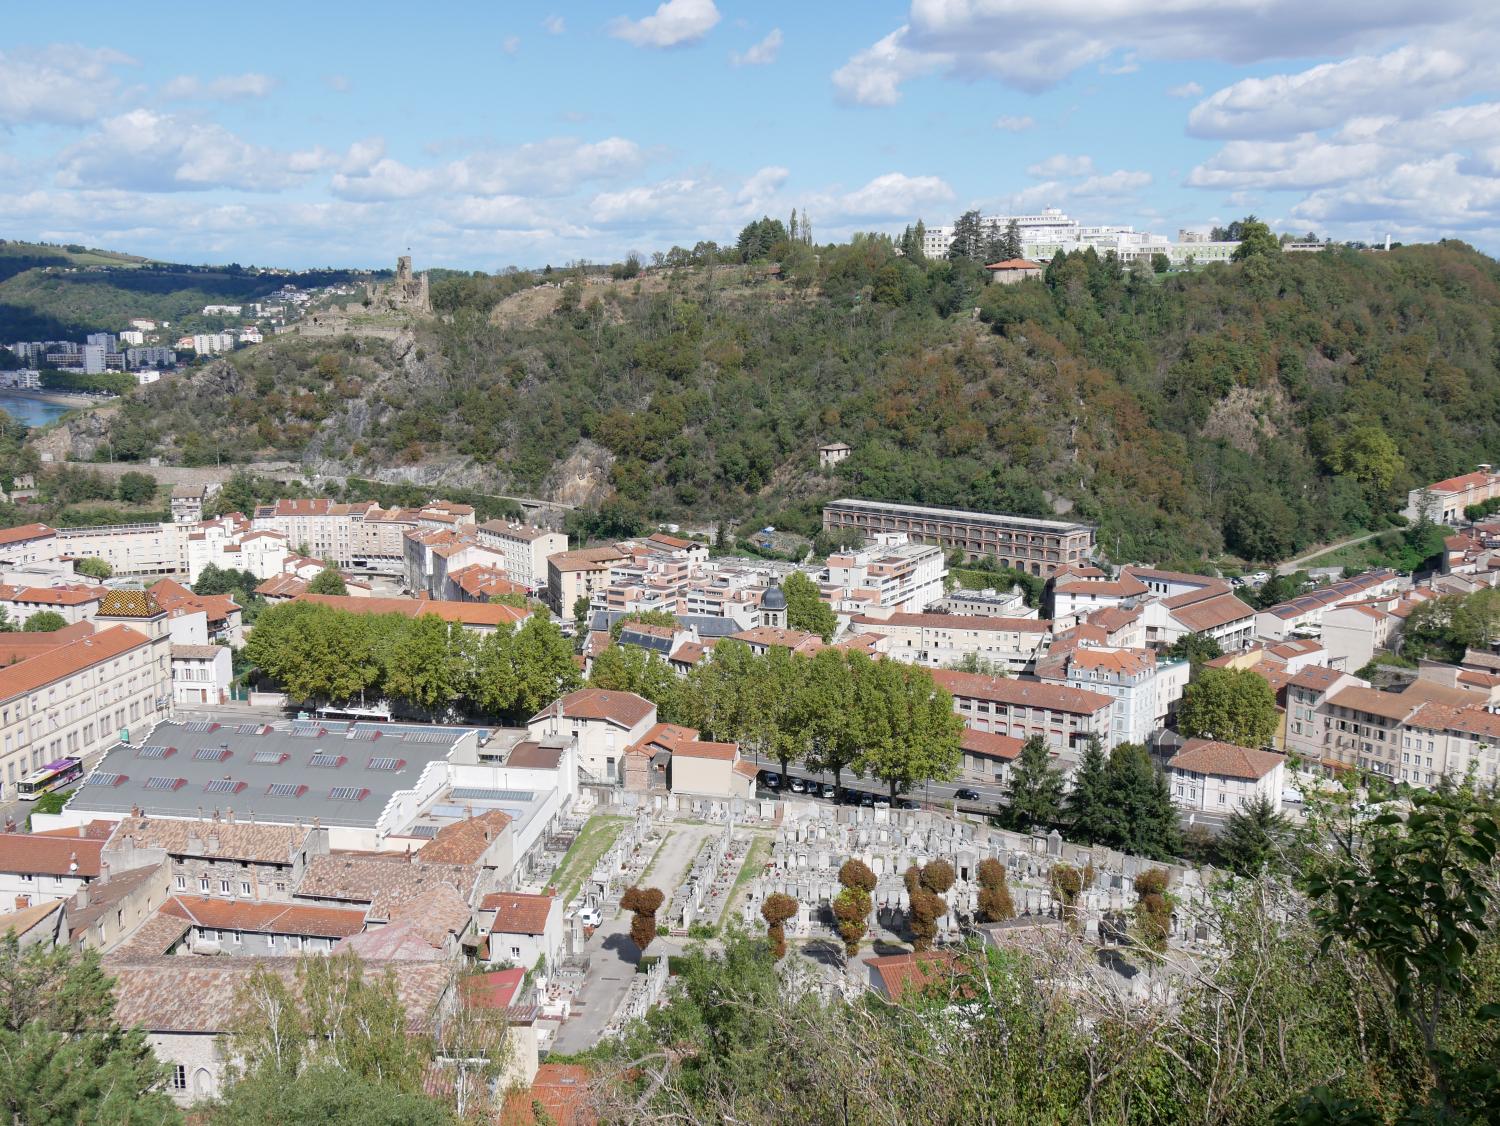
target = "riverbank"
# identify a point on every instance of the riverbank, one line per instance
(70, 399)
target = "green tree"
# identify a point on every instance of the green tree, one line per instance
(93, 568)
(1255, 239)
(580, 612)
(1160, 263)
(629, 668)
(805, 608)
(1141, 817)
(1033, 789)
(1195, 648)
(908, 731)
(427, 663)
(6, 625)
(63, 1057)
(1090, 818)
(1254, 836)
(995, 904)
(328, 581)
(824, 709)
(1369, 455)
(45, 621)
(137, 488)
(1231, 705)
(776, 910)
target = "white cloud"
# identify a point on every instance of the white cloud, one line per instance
(762, 54)
(893, 196)
(1128, 65)
(554, 167)
(1305, 162)
(1034, 47)
(1280, 105)
(1015, 124)
(510, 44)
(226, 88)
(675, 23)
(58, 85)
(1062, 166)
(1112, 185)
(554, 25)
(150, 151)
(763, 184)
(1186, 90)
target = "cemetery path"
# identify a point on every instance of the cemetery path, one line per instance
(613, 956)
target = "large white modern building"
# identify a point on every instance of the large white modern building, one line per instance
(1045, 233)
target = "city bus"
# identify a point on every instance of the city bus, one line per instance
(53, 776)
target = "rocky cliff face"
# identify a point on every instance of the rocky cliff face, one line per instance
(78, 437)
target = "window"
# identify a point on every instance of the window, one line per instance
(238, 938)
(182, 883)
(270, 942)
(203, 885)
(179, 1077)
(224, 887)
(1221, 798)
(515, 953)
(244, 887)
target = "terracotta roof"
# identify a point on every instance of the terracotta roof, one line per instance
(690, 652)
(1316, 678)
(662, 736)
(902, 973)
(496, 989)
(1181, 578)
(1022, 693)
(96, 830)
(386, 881)
(793, 639)
(49, 856)
(1125, 587)
(490, 614)
(746, 768)
(1112, 618)
(201, 995)
(420, 927)
(1226, 760)
(517, 912)
(624, 709)
(225, 840)
(25, 532)
(1461, 483)
(1210, 613)
(67, 660)
(197, 652)
(585, 559)
(1449, 717)
(266, 917)
(561, 1090)
(484, 580)
(668, 541)
(1123, 661)
(19, 923)
(23, 646)
(282, 586)
(1297, 647)
(990, 745)
(959, 621)
(465, 842)
(524, 532)
(54, 595)
(720, 752)
(1014, 264)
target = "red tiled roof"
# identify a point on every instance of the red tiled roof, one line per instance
(464, 842)
(494, 990)
(562, 1092)
(1210, 613)
(1461, 483)
(624, 709)
(68, 660)
(695, 748)
(990, 745)
(49, 856)
(518, 912)
(1226, 760)
(24, 533)
(266, 918)
(1025, 693)
(1014, 264)
(902, 973)
(491, 614)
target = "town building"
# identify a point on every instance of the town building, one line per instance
(1062, 716)
(524, 549)
(187, 503)
(894, 575)
(481, 617)
(1219, 777)
(524, 929)
(1025, 543)
(29, 544)
(1013, 270)
(601, 725)
(42, 869)
(833, 453)
(572, 575)
(940, 640)
(1144, 687)
(1443, 502)
(201, 674)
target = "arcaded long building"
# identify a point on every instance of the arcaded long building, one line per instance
(1026, 543)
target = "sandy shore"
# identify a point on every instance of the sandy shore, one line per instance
(61, 398)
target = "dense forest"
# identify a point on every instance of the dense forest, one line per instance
(1251, 409)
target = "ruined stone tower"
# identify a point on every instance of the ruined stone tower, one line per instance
(407, 294)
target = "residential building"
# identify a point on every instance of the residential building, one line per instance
(602, 724)
(201, 674)
(1143, 687)
(260, 929)
(29, 544)
(1218, 777)
(1013, 270)
(1365, 724)
(1063, 716)
(987, 757)
(214, 857)
(940, 640)
(1308, 734)
(709, 770)
(524, 929)
(1354, 632)
(986, 603)
(187, 503)
(223, 618)
(130, 549)
(833, 453)
(1303, 616)
(1025, 543)
(893, 576)
(572, 575)
(525, 549)
(72, 699)
(36, 868)
(481, 617)
(1443, 502)
(75, 602)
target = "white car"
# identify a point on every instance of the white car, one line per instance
(590, 916)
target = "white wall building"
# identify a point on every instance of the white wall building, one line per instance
(1222, 778)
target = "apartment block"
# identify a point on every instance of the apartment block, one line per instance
(524, 548)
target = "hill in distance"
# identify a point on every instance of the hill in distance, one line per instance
(1253, 409)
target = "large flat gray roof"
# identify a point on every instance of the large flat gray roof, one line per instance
(342, 773)
(937, 512)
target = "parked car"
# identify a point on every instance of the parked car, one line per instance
(590, 916)
(799, 786)
(826, 790)
(867, 800)
(963, 793)
(763, 777)
(772, 782)
(906, 803)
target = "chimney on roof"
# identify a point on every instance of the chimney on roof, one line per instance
(213, 842)
(194, 842)
(72, 862)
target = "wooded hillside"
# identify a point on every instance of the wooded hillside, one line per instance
(1254, 408)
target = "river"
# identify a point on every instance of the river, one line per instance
(31, 410)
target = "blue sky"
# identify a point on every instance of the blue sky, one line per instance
(520, 133)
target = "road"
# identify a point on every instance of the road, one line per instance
(1293, 565)
(612, 955)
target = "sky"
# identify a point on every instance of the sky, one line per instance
(517, 133)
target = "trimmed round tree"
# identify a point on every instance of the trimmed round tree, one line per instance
(857, 874)
(1153, 910)
(644, 903)
(776, 910)
(995, 904)
(851, 907)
